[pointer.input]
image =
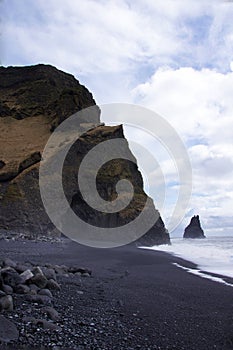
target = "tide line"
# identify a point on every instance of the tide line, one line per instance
(203, 275)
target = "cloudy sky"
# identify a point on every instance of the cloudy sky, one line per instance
(172, 56)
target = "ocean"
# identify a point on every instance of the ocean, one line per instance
(213, 254)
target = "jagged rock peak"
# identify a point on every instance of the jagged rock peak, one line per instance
(194, 230)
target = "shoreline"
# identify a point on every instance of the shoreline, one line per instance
(210, 257)
(195, 267)
(135, 299)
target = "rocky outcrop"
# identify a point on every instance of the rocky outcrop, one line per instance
(194, 230)
(33, 102)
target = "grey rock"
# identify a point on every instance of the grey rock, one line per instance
(39, 278)
(8, 330)
(49, 273)
(45, 292)
(22, 289)
(34, 288)
(7, 289)
(22, 267)
(39, 299)
(60, 270)
(10, 276)
(26, 275)
(48, 325)
(6, 303)
(52, 284)
(82, 270)
(37, 270)
(9, 262)
(52, 313)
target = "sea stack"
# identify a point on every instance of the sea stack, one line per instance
(194, 230)
(34, 101)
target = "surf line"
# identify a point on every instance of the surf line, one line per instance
(203, 275)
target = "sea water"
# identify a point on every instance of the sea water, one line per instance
(213, 254)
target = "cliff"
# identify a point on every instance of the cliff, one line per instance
(194, 230)
(33, 102)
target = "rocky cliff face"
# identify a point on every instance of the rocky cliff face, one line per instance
(33, 101)
(194, 230)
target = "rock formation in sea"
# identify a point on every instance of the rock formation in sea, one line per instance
(194, 230)
(34, 100)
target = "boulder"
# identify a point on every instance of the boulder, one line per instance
(39, 299)
(39, 278)
(10, 276)
(49, 273)
(22, 267)
(10, 263)
(45, 291)
(52, 284)
(8, 330)
(22, 289)
(34, 289)
(194, 230)
(7, 289)
(26, 275)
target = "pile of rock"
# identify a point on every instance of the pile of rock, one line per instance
(17, 236)
(36, 282)
(36, 285)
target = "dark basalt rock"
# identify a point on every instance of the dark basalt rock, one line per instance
(34, 100)
(194, 230)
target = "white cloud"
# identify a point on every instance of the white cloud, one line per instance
(118, 42)
(171, 56)
(199, 105)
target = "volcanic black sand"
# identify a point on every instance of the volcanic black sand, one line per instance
(135, 299)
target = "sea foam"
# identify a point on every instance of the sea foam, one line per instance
(214, 254)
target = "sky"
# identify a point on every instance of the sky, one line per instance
(174, 57)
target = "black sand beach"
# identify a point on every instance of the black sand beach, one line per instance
(135, 299)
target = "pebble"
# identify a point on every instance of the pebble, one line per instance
(52, 313)
(48, 325)
(6, 303)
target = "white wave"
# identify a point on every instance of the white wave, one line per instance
(204, 275)
(214, 254)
